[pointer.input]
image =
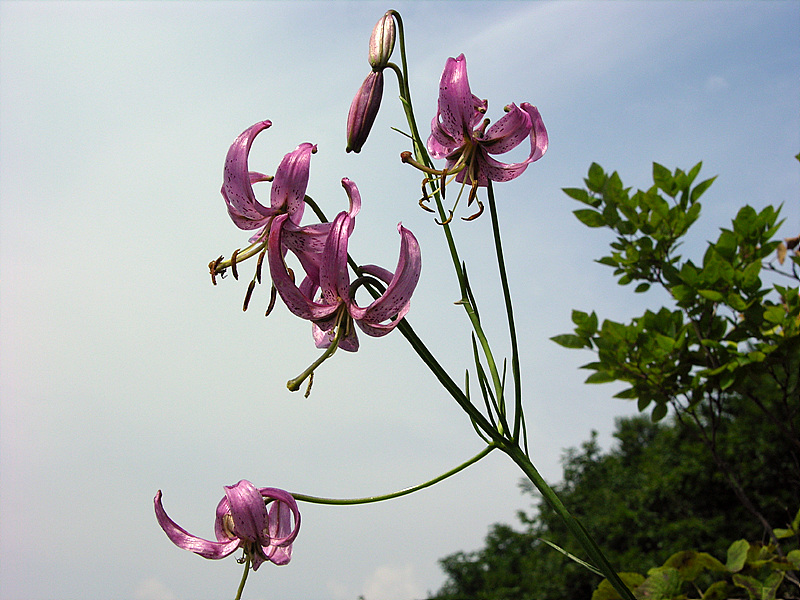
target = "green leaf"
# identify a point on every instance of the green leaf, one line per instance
(605, 591)
(578, 194)
(775, 314)
(662, 177)
(600, 377)
(719, 590)
(759, 590)
(794, 558)
(627, 394)
(569, 340)
(690, 563)
(642, 287)
(589, 217)
(597, 178)
(737, 555)
(712, 295)
(700, 189)
(662, 583)
(659, 412)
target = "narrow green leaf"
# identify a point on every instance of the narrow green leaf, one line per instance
(600, 377)
(569, 340)
(589, 217)
(712, 295)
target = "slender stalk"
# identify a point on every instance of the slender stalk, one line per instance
(398, 494)
(512, 331)
(592, 549)
(244, 579)
(509, 446)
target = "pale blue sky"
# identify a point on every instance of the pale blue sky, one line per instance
(123, 371)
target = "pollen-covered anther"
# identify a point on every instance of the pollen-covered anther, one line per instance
(233, 264)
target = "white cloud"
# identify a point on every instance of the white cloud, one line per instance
(392, 582)
(716, 83)
(153, 589)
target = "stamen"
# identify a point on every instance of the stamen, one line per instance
(260, 262)
(212, 267)
(477, 214)
(272, 296)
(249, 293)
(310, 383)
(233, 264)
(446, 221)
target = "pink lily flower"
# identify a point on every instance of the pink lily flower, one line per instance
(243, 521)
(287, 196)
(459, 133)
(335, 310)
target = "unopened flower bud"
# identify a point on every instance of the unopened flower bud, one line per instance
(381, 42)
(363, 111)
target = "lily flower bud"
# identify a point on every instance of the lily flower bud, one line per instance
(363, 111)
(381, 42)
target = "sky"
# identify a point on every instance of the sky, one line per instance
(124, 371)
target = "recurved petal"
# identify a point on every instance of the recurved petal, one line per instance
(296, 301)
(395, 299)
(334, 279)
(539, 139)
(307, 243)
(291, 180)
(183, 539)
(440, 143)
(247, 511)
(509, 132)
(489, 168)
(284, 516)
(245, 210)
(498, 171)
(456, 104)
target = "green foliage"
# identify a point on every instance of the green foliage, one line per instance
(657, 494)
(753, 567)
(724, 355)
(726, 329)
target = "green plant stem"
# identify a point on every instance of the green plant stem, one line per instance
(403, 492)
(592, 549)
(509, 446)
(244, 579)
(501, 265)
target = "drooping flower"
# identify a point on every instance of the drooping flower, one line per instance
(334, 309)
(459, 132)
(243, 521)
(287, 196)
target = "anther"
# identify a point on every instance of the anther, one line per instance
(446, 221)
(477, 214)
(310, 382)
(212, 267)
(233, 264)
(260, 262)
(249, 293)
(272, 297)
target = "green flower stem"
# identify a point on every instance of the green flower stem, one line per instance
(403, 492)
(427, 357)
(509, 446)
(501, 265)
(421, 155)
(592, 549)
(294, 384)
(244, 579)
